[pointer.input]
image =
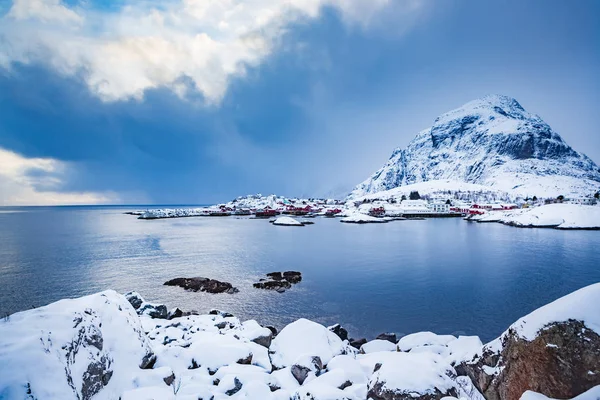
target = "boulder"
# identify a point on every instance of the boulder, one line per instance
(563, 361)
(304, 338)
(339, 331)
(175, 313)
(200, 284)
(377, 345)
(357, 343)
(553, 351)
(135, 299)
(153, 310)
(390, 337)
(304, 366)
(406, 376)
(73, 349)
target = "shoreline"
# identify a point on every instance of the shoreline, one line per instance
(120, 346)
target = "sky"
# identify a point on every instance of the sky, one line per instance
(200, 101)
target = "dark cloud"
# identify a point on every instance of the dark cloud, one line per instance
(321, 113)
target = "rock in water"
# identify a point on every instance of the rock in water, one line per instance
(280, 281)
(292, 276)
(203, 285)
(554, 351)
(494, 142)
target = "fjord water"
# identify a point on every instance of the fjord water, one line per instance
(445, 275)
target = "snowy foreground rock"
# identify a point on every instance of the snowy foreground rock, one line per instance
(108, 346)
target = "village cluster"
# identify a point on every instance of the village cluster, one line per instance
(471, 206)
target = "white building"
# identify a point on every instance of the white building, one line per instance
(414, 206)
(439, 207)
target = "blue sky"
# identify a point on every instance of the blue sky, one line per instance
(177, 102)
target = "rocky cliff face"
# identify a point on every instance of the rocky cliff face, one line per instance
(491, 141)
(554, 351)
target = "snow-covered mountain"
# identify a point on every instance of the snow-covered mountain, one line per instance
(492, 141)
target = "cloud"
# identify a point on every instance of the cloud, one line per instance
(37, 181)
(181, 45)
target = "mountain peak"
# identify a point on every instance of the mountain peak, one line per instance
(491, 141)
(495, 100)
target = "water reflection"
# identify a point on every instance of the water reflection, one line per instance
(441, 275)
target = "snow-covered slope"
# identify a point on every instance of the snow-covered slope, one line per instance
(560, 216)
(494, 142)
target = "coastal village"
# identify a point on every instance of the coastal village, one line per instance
(474, 207)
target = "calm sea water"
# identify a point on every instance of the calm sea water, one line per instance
(446, 276)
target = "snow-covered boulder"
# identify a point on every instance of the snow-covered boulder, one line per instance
(305, 338)
(306, 366)
(412, 376)
(287, 221)
(420, 339)
(377, 345)
(253, 331)
(553, 351)
(73, 349)
(329, 386)
(592, 394)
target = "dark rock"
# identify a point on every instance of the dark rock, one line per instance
(356, 343)
(276, 276)
(222, 325)
(199, 284)
(272, 329)
(236, 388)
(148, 361)
(96, 376)
(292, 276)
(134, 299)
(345, 385)
(273, 388)
(377, 367)
(154, 311)
(339, 331)
(169, 379)
(175, 313)
(264, 341)
(390, 337)
(561, 362)
(379, 391)
(245, 361)
(279, 281)
(273, 285)
(300, 373)
(221, 313)
(301, 370)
